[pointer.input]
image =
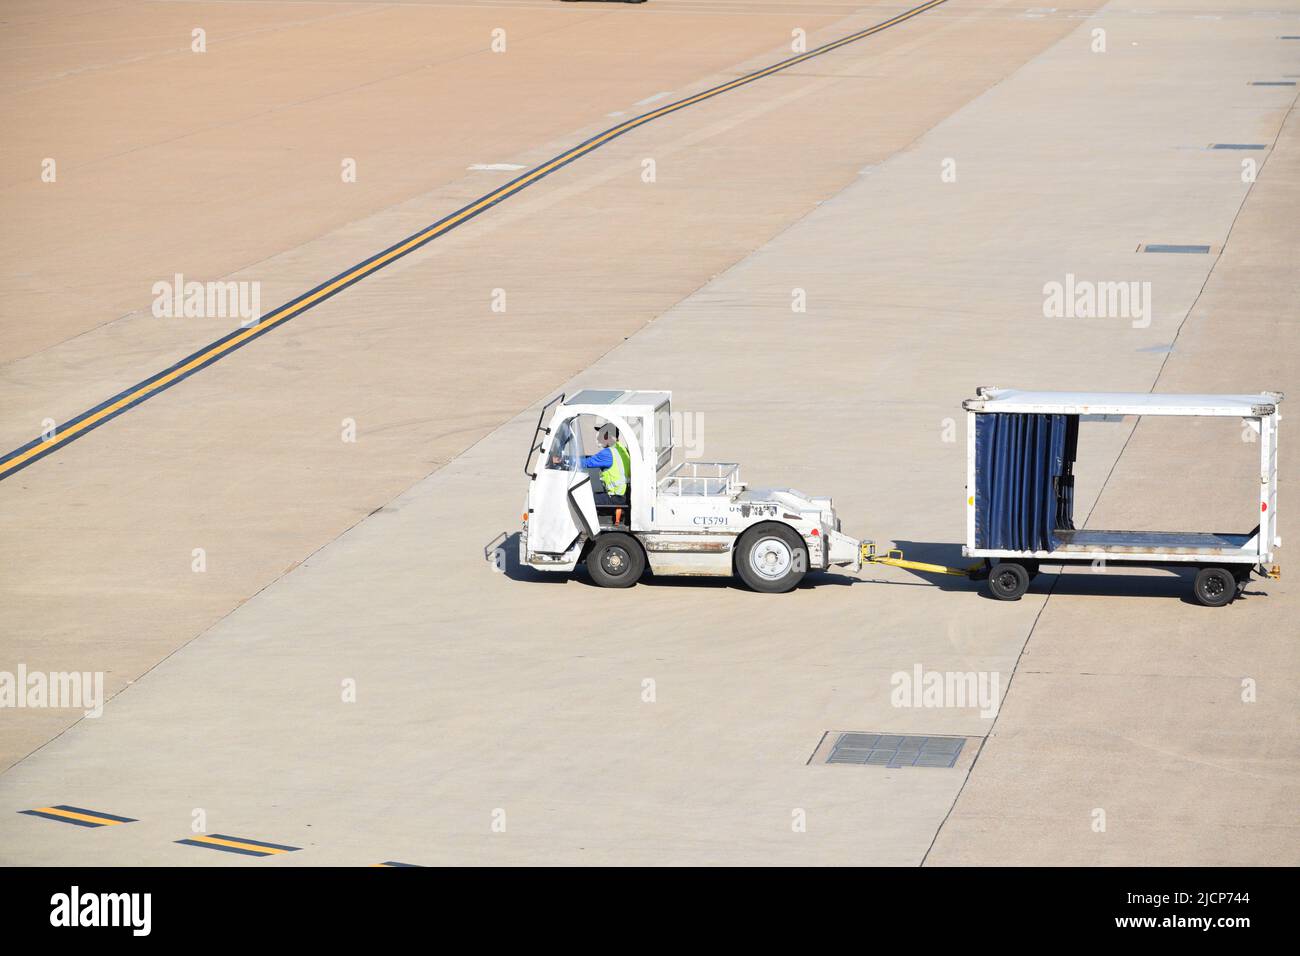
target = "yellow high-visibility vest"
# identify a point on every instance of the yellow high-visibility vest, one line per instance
(615, 476)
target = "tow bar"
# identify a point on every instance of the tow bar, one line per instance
(894, 556)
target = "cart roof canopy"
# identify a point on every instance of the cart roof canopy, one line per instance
(1121, 403)
(618, 396)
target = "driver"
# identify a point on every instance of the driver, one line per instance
(614, 464)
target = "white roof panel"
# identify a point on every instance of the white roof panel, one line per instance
(596, 396)
(1122, 403)
(617, 396)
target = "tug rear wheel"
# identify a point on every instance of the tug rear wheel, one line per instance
(771, 558)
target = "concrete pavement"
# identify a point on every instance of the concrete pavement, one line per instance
(241, 469)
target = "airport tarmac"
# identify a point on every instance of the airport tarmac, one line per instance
(349, 677)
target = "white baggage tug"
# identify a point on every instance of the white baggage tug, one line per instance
(693, 518)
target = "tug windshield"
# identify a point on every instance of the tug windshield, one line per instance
(566, 449)
(538, 442)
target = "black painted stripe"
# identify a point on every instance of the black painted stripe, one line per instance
(40, 447)
(99, 818)
(226, 849)
(55, 816)
(238, 839)
(248, 847)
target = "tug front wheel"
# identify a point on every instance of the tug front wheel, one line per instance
(615, 560)
(771, 558)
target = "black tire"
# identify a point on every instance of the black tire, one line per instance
(615, 560)
(1008, 581)
(771, 558)
(1214, 587)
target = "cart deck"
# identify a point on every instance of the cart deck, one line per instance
(1170, 542)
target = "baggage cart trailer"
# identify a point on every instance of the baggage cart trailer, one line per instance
(1021, 449)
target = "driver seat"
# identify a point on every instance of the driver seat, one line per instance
(616, 514)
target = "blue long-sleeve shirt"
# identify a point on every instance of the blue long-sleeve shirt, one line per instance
(602, 459)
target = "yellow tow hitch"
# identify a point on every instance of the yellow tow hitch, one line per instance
(894, 556)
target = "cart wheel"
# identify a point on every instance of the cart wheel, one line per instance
(1008, 581)
(615, 560)
(771, 558)
(1214, 587)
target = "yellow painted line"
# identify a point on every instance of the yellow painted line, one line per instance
(286, 312)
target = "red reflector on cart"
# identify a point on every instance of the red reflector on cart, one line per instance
(815, 532)
(1263, 506)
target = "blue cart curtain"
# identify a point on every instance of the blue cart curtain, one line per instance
(1024, 479)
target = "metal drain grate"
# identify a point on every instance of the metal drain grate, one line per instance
(1238, 146)
(895, 750)
(1160, 247)
(1273, 83)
